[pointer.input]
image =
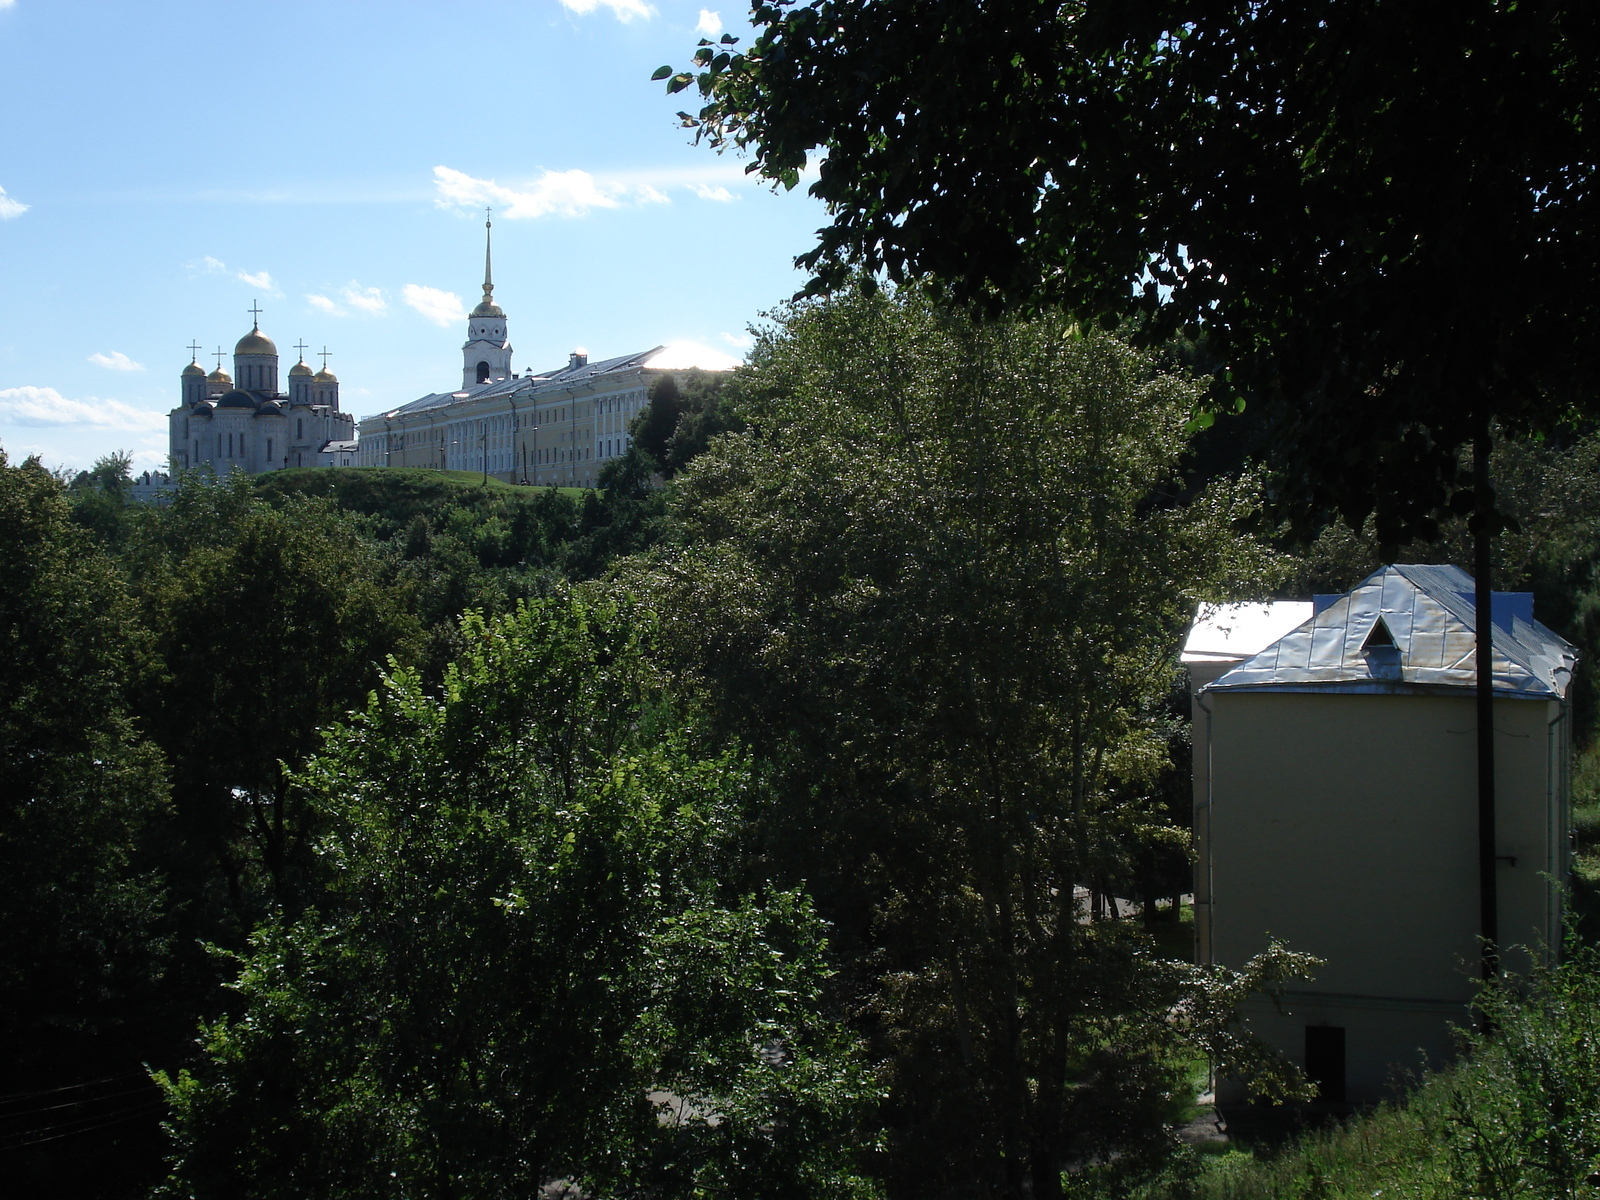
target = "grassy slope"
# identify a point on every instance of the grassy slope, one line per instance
(325, 481)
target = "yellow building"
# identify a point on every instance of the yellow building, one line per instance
(1336, 811)
(557, 427)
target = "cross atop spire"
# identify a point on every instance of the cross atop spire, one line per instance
(219, 358)
(194, 352)
(325, 353)
(301, 346)
(255, 311)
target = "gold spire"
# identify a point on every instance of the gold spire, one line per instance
(488, 276)
(487, 307)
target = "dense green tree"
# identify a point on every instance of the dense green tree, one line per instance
(653, 427)
(525, 970)
(941, 580)
(680, 421)
(1383, 216)
(269, 623)
(100, 497)
(84, 940)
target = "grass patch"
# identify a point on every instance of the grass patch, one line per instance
(309, 479)
(1174, 939)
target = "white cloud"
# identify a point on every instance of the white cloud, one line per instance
(555, 193)
(149, 460)
(682, 356)
(368, 300)
(323, 304)
(8, 207)
(260, 280)
(115, 361)
(46, 406)
(438, 306)
(710, 23)
(715, 192)
(739, 341)
(623, 10)
(7, 3)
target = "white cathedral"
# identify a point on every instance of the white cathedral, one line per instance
(244, 423)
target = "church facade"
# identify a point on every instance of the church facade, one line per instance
(551, 428)
(243, 422)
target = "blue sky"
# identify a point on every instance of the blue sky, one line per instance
(165, 164)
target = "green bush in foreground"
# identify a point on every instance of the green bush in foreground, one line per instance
(1519, 1116)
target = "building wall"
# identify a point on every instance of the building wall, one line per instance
(541, 434)
(1345, 825)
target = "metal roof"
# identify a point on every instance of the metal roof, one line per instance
(1427, 642)
(1230, 632)
(534, 386)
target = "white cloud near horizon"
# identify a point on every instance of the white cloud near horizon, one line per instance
(115, 361)
(684, 356)
(8, 207)
(573, 193)
(437, 305)
(46, 406)
(740, 341)
(710, 23)
(323, 304)
(623, 10)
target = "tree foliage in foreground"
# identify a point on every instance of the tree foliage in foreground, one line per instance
(1383, 214)
(525, 970)
(269, 623)
(85, 930)
(941, 580)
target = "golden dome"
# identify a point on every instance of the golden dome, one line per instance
(299, 368)
(219, 376)
(325, 376)
(194, 368)
(256, 342)
(487, 308)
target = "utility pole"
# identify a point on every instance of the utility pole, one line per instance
(1483, 618)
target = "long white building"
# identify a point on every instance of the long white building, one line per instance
(557, 427)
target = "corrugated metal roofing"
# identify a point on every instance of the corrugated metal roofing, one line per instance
(534, 387)
(1428, 613)
(1231, 632)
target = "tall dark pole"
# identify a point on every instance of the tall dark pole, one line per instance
(1483, 604)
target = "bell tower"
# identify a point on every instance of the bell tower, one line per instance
(487, 354)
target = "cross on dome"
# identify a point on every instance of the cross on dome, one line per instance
(255, 310)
